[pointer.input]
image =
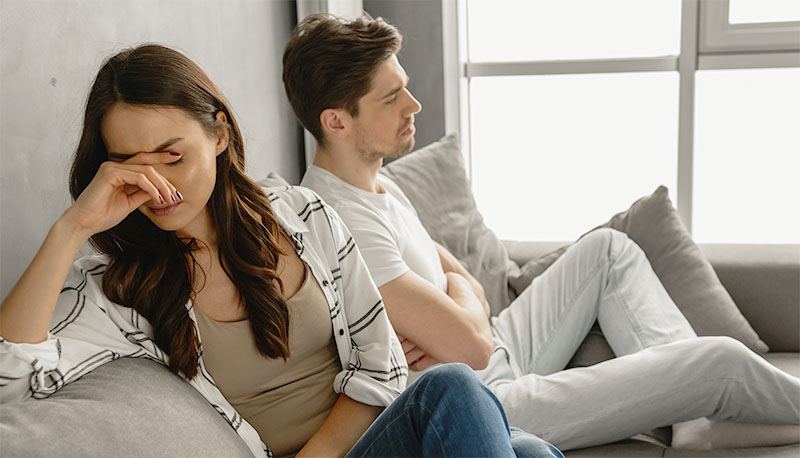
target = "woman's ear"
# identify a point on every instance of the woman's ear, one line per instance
(223, 133)
(333, 122)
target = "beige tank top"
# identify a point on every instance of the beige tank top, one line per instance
(286, 402)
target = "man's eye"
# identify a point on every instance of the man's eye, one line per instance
(392, 100)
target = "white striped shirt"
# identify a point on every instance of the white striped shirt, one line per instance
(88, 330)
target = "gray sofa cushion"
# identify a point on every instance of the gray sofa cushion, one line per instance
(128, 407)
(686, 274)
(434, 180)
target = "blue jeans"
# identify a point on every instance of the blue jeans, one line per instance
(448, 412)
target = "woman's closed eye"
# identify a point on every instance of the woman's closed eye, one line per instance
(176, 162)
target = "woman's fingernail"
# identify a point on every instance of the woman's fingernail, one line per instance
(172, 196)
(160, 199)
(179, 194)
(173, 153)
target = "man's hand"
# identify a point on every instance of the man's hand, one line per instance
(416, 357)
(450, 264)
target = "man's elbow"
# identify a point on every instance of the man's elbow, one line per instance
(481, 353)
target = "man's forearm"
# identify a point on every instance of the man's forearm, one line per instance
(341, 430)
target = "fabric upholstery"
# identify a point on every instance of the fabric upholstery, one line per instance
(128, 407)
(435, 181)
(686, 274)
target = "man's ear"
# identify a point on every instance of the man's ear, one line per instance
(334, 122)
(223, 133)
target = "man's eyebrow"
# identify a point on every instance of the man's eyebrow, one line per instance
(397, 89)
(161, 147)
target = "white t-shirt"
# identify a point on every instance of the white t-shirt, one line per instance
(385, 226)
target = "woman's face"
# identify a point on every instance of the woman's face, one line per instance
(131, 129)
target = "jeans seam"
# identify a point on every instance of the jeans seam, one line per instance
(635, 325)
(575, 293)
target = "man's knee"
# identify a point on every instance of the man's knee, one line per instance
(606, 242)
(723, 350)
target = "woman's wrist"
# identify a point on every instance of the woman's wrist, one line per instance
(66, 229)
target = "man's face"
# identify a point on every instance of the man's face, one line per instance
(384, 126)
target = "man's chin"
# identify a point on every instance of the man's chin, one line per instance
(404, 149)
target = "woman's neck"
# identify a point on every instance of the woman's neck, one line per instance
(202, 229)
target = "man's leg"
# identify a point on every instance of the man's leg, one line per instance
(714, 377)
(606, 277)
(447, 412)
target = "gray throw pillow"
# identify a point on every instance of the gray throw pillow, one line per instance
(686, 274)
(435, 181)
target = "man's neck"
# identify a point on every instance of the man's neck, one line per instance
(349, 167)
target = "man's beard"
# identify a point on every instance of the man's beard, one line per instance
(369, 153)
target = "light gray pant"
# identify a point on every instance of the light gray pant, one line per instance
(663, 374)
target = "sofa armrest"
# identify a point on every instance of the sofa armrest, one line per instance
(763, 280)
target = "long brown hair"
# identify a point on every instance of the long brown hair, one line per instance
(151, 269)
(329, 63)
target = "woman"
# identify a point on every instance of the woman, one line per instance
(213, 277)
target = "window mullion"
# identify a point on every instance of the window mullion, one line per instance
(687, 64)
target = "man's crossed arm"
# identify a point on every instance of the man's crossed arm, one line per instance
(434, 326)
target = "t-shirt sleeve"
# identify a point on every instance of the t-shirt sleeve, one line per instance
(378, 246)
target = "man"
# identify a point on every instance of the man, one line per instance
(348, 89)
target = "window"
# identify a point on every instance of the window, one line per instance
(747, 156)
(570, 110)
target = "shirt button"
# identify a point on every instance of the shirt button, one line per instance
(341, 332)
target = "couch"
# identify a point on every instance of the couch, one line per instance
(136, 407)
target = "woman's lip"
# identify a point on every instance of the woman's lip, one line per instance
(164, 211)
(411, 129)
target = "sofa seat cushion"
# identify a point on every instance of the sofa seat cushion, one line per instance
(128, 407)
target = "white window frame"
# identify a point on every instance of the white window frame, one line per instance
(708, 41)
(718, 35)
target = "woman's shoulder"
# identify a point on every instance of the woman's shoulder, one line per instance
(300, 209)
(294, 196)
(297, 200)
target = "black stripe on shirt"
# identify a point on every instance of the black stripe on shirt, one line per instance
(366, 325)
(366, 315)
(73, 314)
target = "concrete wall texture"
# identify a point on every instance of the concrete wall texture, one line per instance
(49, 54)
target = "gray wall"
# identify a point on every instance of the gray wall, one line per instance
(49, 53)
(420, 21)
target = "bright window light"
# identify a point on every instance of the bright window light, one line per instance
(747, 156)
(553, 156)
(742, 11)
(507, 30)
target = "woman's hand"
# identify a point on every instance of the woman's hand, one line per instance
(118, 189)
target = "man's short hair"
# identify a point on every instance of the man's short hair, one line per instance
(329, 63)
